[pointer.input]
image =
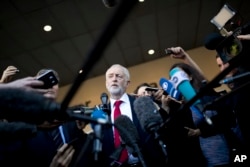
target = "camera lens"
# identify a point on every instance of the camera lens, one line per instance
(230, 48)
(233, 48)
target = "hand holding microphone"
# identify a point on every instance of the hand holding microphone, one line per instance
(182, 83)
(174, 97)
(168, 87)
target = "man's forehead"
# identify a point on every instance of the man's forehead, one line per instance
(115, 70)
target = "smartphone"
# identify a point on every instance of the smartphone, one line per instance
(152, 89)
(49, 79)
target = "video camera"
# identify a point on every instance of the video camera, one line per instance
(228, 45)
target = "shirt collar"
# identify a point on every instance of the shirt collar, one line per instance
(124, 98)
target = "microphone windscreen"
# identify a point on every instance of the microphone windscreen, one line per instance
(16, 131)
(182, 83)
(96, 114)
(27, 106)
(105, 106)
(147, 113)
(127, 130)
(104, 98)
(169, 88)
(213, 40)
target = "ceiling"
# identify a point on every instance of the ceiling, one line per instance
(78, 24)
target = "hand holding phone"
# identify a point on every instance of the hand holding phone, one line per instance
(49, 79)
(152, 89)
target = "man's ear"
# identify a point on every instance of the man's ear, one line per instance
(128, 82)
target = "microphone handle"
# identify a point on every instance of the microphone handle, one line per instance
(97, 141)
(162, 145)
(140, 156)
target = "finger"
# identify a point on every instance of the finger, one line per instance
(12, 69)
(67, 149)
(10, 72)
(36, 83)
(63, 148)
(68, 158)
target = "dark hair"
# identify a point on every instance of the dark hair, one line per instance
(217, 56)
(141, 85)
(44, 70)
(197, 79)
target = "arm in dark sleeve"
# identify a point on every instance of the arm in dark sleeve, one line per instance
(16, 130)
(223, 121)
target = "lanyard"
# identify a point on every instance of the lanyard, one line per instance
(62, 134)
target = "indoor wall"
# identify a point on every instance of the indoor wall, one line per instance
(90, 90)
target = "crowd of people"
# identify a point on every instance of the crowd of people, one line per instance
(188, 136)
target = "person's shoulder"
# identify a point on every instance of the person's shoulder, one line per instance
(71, 126)
(131, 98)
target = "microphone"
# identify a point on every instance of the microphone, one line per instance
(27, 106)
(129, 135)
(147, 114)
(80, 109)
(212, 40)
(109, 3)
(104, 98)
(169, 88)
(97, 114)
(182, 83)
(104, 106)
(149, 118)
(229, 80)
(16, 131)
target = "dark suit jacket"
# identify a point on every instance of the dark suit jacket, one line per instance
(36, 151)
(149, 147)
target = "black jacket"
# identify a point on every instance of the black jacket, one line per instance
(150, 148)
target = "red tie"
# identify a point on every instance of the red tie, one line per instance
(117, 112)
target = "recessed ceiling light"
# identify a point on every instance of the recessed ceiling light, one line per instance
(151, 51)
(47, 28)
(141, 0)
